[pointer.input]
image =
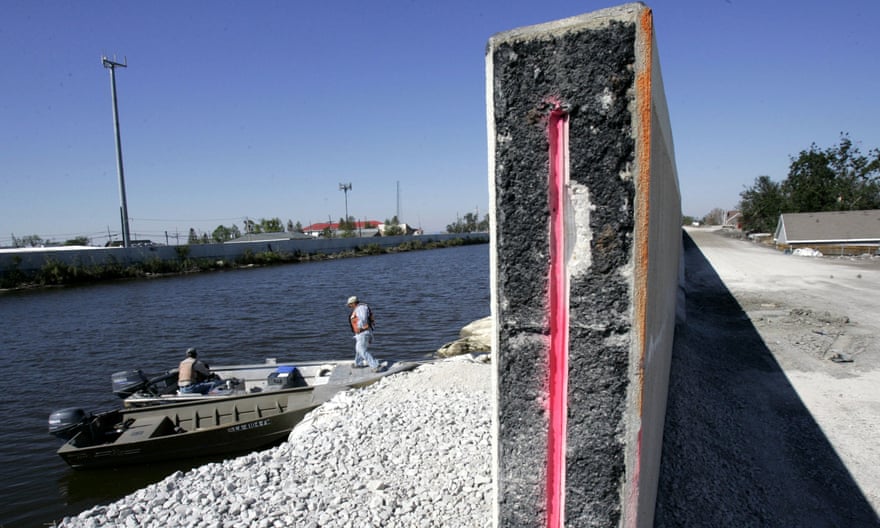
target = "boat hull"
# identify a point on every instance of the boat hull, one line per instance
(182, 431)
(162, 429)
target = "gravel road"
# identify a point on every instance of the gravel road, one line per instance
(773, 417)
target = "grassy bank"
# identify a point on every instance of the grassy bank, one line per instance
(57, 273)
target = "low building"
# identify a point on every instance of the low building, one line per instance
(362, 228)
(832, 233)
(732, 220)
(267, 237)
(406, 229)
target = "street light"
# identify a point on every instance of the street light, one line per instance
(345, 187)
(123, 206)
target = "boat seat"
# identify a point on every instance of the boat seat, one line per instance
(144, 428)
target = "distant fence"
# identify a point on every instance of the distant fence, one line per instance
(31, 260)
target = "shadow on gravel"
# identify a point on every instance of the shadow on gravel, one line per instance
(739, 446)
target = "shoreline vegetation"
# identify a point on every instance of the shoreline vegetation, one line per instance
(56, 273)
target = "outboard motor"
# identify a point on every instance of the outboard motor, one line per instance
(128, 382)
(66, 423)
(162, 384)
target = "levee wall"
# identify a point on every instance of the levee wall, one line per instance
(34, 259)
(586, 244)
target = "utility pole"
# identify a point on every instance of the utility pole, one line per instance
(123, 206)
(345, 187)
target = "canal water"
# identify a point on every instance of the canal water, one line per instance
(60, 346)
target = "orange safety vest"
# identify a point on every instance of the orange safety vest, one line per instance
(355, 322)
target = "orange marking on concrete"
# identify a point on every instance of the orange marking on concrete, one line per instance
(643, 193)
(643, 209)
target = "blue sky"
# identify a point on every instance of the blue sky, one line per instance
(233, 110)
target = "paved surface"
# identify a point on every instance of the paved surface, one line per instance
(768, 422)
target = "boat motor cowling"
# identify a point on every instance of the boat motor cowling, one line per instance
(66, 423)
(128, 382)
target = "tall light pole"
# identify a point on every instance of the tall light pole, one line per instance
(123, 206)
(345, 187)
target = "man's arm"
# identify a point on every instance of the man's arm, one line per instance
(202, 369)
(363, 316)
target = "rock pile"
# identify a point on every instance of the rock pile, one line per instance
(475, 338)
(411, 450)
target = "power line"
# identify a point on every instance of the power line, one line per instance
(239, 218)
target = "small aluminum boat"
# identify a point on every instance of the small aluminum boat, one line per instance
(138, 389)
(187, 426)
(182, 430)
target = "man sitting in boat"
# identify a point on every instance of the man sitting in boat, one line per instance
(194, 376)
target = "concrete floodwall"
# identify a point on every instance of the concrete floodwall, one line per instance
(586, 243)
(30, 260)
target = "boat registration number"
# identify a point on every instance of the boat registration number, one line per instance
(248, 426)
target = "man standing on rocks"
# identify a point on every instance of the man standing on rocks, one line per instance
(361, 320)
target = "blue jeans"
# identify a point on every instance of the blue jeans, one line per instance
(203, 387)
(361, 355)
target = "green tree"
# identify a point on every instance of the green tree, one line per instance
(469, 224)
(459, 226)
(761, 205)
(810, 186)
(839, 178)
(858, 176)
(78, 241)
(193, 236)
(271, 225)
(714, 217)
(29, 241)
(346, 227)
(223, 233)
(393, 227)
(483, 224)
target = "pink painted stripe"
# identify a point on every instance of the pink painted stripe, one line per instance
(558, 364)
